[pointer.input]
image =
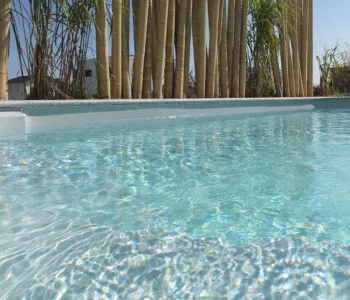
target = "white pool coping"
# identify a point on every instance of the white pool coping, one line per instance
(32, 116)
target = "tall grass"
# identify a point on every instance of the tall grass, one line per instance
(52, 41)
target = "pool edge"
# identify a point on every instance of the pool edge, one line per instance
(53, 114)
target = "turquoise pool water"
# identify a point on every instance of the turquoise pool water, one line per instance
(255, 206)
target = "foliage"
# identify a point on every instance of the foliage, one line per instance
(263, 42)
(328, 65)
(52, 40)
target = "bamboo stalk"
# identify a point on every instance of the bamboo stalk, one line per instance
(126, 21)
(147, 73)
(299, 7)
(299, 38)
(300, 22)
(157, 4)
(154, 38)
(213, 47)
(169, 51)
(5, 6)
(104, 85)
(135, 5)
(294, 40)
(202, 51)
(289, 23)
(188, 47)
(210, 21)
(161, 37)
(304, 44)
(195, 36)
(224, 82)
(236, 50)
(243, 50)
(141, 35)
(290, 71)
(180, 50)
(134, 27)
(283, 52)
(117, 49)
(310, 89)
(218, 43)
(276, 72)
(126, 91)
(230, 32)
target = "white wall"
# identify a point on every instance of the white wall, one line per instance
(17, 92)
(91, 80)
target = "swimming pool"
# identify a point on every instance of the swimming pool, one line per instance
(202, 206)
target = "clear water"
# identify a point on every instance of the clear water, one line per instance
(213, 207)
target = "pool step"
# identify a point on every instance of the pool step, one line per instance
(12, 121)
(38, 119)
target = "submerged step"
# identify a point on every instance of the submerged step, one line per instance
(12, 121)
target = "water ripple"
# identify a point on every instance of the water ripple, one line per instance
(219, 207)
(73, 260)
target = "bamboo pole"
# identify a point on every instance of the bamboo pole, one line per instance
(103, 76)
(157, 5)
(180, 50)
(224, 82)
(214, 8)
(230, 32)
(161, 37)
(300, 22)
(117, 49)
(169, 51)
(135, 5)
(5, 6)
(304, 44)
(147, 73)
(154, 38)
(202, 51)
(134, 27)
(284, 55)
(290, 71)
(217, 63)
(299, 38)
(310, 74)
(188, 47)
(294, 39)
(210, 21)
(243, 50)
(195, 36)
(125, 52)
(236, 50)
(276, 71)
(141, 35)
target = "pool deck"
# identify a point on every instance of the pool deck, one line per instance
(33, 115)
